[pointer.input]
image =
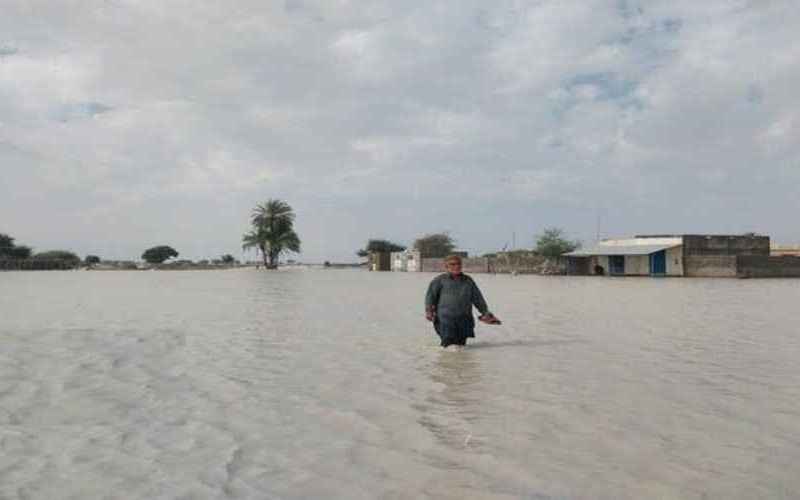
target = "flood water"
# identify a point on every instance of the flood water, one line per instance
(330, 384)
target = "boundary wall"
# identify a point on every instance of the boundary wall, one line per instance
(710, 266)
(760, 266)
(468, 265)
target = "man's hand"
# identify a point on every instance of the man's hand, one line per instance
(489, 319)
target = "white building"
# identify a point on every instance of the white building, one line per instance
(407, 260)
(630, 257)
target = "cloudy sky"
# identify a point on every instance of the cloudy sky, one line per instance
(130, 123)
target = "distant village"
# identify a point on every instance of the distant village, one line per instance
(688, 255)
(272, 236)
(746, 255)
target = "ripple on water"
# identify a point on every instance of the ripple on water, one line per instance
(331, 384)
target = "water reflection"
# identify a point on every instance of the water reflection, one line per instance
(456, 400)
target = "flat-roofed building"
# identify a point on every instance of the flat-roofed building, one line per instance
(697, 255)
(640, 256)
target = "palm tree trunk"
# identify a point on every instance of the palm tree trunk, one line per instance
(264, 255)
(273, 260)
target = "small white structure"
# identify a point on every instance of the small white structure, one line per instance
(408, 260)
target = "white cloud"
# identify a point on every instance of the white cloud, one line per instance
(117, 111)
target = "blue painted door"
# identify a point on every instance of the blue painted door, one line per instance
(658, 263)
(616, 264)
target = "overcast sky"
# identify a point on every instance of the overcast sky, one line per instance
(130, 123)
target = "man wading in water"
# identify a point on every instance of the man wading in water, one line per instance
(449, 302)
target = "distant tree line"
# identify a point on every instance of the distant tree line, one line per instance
(430, 245)
(13, 256)
(10, 250)
(551, 243)
(22, 257)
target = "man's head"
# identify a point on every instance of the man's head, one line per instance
(453, 264)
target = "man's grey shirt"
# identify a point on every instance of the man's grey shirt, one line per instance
(453, 297)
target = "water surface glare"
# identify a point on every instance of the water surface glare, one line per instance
(330, 384)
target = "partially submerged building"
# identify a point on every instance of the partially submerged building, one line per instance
(407, 260)
(640, 256)
(380, 261)
(697, 255)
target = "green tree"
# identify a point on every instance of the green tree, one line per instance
(65, 257)
(273, 231)
(377, 246)
(158, 254)
(91, 260)
(552, 243)
(10, 250)
(435, 245)
(20, 252)
(6, 244)
(228, 259)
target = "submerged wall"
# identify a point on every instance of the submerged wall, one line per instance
(637, 265)
(710, 266)
(760, 266)
(675, 261)
(468, 265)
(517, 262)
(380, 261)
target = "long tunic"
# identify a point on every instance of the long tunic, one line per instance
(451, 298)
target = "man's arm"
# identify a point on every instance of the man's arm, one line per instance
(478, 300)
(432, 299)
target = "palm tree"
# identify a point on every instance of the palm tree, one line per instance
(273, 231)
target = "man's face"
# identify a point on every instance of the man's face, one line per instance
(454, 267)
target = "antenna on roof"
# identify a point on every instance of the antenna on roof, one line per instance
(597, 234)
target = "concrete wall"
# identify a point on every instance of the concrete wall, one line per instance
(675, 261)
(637, 265)
(699, 244)
(710, 266)
(579, 266)
(760, 266)
(715, 255)
(468, 265)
